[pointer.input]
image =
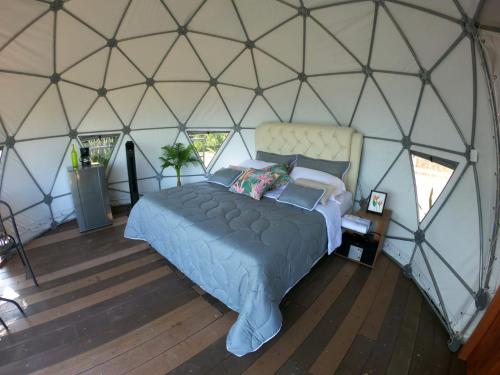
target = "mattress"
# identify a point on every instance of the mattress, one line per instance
(246, 253)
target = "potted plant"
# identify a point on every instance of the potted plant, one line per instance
(178, 156)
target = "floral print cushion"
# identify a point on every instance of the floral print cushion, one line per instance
(280, 172)
(254, 183)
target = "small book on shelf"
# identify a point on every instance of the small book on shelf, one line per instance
(356, 223)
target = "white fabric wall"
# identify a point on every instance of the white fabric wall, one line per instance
(360, 64)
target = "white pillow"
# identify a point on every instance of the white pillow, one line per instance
(323, 177)
(256, 164)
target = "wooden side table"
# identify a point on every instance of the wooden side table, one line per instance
(370, 243)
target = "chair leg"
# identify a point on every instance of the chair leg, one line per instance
(13, 302)
(5, 325)
(26, 262)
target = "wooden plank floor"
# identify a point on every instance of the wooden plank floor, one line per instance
(108, 305)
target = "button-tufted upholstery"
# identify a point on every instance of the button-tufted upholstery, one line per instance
(327, 142)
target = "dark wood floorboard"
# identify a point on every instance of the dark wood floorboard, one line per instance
(142, 291)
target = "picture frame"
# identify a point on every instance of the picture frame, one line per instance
(376, 202)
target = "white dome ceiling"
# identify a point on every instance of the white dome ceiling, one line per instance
(408, 75)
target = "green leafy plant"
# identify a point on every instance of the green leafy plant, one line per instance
(178, 156)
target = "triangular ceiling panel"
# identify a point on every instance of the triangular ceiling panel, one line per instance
(103, 16)
(182, 97)
(390, 52)
(324, 54)
(248, 136)
(351, 24)
(241, 72)
(77, 101)
(282, 98)
(34, 221)
(258, 113)
(216, 53)
(442, 232)
(420, 273)
(89, 72)
(147, 53)
(456, 299)
(446, 7)
(376, 159)
(237, 100)
(43, 165)
(402, 93)
(398, 179)
(412, 21)
(18, 188)
(16, 15)
(469, 6)
(234, 153)
(3, 136)
(211, 112)
(121, 72)
(153, 113)
(31, 51)
(432, 120)
(126, 101)
(62, 209)
(101, 117)
(208, 144)
(118, 171)
(183, 10)
(259, 16)
(285, 43)
(310, 109)
(373, 117)
(46, 119)
(68, 30)
(145, 17)
(207, 20)
(399, 250)
(182, 64)
(340, 93)
(151, 141)
(457, 93)
(270, 71)
(19, 98)
(190, 169)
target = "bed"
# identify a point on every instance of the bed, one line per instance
(248, 253)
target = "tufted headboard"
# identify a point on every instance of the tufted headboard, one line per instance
(316, 141)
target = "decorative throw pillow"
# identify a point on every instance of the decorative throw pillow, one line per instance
(301, 196)
(254, 183)
(330, 190)
(333, 167)
(312, 174)
(276, 158)
(280, 172)
(224, 176)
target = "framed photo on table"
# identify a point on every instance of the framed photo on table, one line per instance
(376, 202)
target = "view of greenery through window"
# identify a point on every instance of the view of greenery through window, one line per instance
(101, 146)
(431, 176)
(207, 143)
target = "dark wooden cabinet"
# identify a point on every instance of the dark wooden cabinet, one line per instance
(368, 246)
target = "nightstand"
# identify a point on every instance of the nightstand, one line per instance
(365, 248)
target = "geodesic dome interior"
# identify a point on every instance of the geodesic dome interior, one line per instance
(413, 76)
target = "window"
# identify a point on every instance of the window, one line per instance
(431, 176)
(207, 143)
(100, 146)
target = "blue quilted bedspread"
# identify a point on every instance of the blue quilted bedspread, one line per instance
(244, 252)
